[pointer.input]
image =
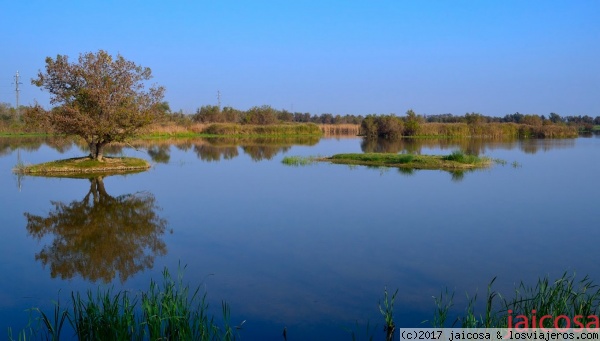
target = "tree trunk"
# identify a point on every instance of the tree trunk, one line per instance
(92, 146)
(99, 150)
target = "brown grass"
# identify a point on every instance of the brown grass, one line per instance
(340, 129)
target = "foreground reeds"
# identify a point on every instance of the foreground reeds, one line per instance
(170, 311)
(565, 296)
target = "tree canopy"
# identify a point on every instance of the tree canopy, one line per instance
(99, 98)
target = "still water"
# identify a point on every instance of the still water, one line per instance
(307, 248)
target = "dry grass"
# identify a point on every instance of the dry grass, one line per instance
(496, 130)
(172, 129)
(340, 129)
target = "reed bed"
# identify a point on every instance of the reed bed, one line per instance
(167, 311)
(564, 296)
(497, 130)
(262, 130)
(173, 129)
(340, 129)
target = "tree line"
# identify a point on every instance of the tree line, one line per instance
(266, 114)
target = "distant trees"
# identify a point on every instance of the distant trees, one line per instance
(265, 114)
(100, 98)
(260, 115)
(411, 123)
(387, 126)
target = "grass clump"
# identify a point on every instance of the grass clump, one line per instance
(460, 156)
(169, 311)
(383, 158)
(298, 160)
(387, 310)
(563, 296)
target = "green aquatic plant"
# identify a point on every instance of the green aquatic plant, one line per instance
(387, 310)
(298, 160)
(169, 311)
(564, 296)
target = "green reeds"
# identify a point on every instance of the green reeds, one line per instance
(298, 160)
(387, 310)
(462, 157)
(456, 161)
(170, 311)
(563, 296)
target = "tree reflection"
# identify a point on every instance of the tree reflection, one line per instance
(100, 235)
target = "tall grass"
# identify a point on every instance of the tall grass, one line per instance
(497, 130)
(269, 130)
(298, 160)
(563, 296)
(462, 157)
(167, 311)
(345, 129)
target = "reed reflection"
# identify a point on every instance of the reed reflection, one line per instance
(101, 235)
(59, 143)
(473, 146)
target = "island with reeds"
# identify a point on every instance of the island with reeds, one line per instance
(456, 161)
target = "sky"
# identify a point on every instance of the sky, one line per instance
(339, 57)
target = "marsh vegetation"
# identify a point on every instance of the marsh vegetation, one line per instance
(169, 310)
(458, 160)
(565, 296)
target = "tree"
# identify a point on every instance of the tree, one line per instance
(100, 98)
(411, 123)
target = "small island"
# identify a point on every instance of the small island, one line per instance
(85, 166)
(456, 161)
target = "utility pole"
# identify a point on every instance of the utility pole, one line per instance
(219, 99)
(17, 90)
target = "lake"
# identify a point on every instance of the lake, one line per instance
(307, 248)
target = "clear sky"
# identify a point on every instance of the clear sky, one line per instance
(340, 57)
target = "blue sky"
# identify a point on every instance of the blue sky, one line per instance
(340, 57)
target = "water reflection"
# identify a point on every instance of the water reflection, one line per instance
(100, 235)
(223, 148)
(58, 143)
(474, 146)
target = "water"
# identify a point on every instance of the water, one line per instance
(306, 248)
